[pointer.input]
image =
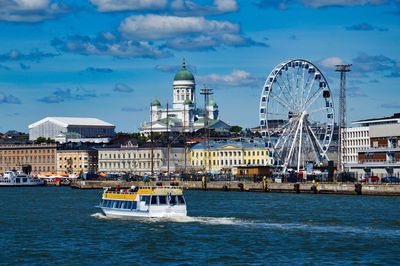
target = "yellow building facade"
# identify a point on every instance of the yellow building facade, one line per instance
(226, 156)
(76, 161)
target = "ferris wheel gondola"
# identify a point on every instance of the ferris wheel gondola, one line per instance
(297, 114)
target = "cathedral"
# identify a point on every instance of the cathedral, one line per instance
(183, 115)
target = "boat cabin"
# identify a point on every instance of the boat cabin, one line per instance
(143, 201)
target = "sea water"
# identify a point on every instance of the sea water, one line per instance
(59, 225)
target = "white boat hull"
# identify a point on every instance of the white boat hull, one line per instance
(25, 184)
(115, 213)
(19, 179)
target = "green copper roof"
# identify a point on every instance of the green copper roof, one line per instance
(188, 101)
(155, 103)
(212, 103)
(184, 74)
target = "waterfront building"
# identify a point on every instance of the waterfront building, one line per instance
(227, 156)
(357, 139)
(76, 160)
(68, 128)
(33, 158)
(183, 115)
(382, 156)
(133, 159)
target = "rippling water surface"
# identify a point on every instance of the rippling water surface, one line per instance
(52, 225)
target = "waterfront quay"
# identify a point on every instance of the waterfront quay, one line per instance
(265, 187)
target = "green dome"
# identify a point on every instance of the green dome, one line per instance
(155, 103)
(188, 101)
(184, 74)
(212, 103)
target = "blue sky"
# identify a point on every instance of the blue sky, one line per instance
(109, 59)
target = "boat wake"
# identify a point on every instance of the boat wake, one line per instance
(99, 215)
(200, 219)
(257, 224)
(181, 219)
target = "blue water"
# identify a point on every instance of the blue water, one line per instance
(52, 225)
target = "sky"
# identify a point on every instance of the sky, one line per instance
(110, 59)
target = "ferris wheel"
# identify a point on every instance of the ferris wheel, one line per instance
(297, 114)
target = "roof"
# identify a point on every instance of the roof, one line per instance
(155, 102)
(244, 144)
(213, 123)
(73, 121)
(184, 74)
(395, 116)
(212, 102)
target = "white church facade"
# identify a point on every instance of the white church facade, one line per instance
(183, 116)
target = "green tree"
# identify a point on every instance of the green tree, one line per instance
(40, 140)
(236, 129)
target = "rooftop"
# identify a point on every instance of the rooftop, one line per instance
(184, 74)
(72, 121)
(395, 116)
(242, 144)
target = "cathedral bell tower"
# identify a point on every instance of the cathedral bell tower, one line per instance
(184, 87)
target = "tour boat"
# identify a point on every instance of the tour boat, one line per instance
(143, 201)
(19, 179)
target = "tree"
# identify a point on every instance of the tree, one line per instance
(40, 140)
(235, 129)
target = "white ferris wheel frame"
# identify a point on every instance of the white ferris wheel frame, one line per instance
(322, 148)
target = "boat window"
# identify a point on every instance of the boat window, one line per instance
(162, 199)
(24, 180)
(118, 205)
(181, 200)
(123, 203)
(134, 205)
(128, 205)
(153, 200)
(172, 199)
(17, 180)
(113, 204)
(146, 199)
(109, 203)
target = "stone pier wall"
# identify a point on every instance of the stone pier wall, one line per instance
(324, 188)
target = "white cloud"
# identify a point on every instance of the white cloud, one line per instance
(179, 6)
(325, 3)
(237, 78)
(218, 7)
(122, 87)
(331, 62)
(29, 10)
(226, 5)
(100, 45)
(285, 4)
(154, 27)
(198, 43)
(123, 5)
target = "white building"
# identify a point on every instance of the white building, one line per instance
(357, 139)
(377, 145)
(70, 127)
(135, 160)
(183, 115)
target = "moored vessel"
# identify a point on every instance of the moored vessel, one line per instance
(144, 201)
(19, 179)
